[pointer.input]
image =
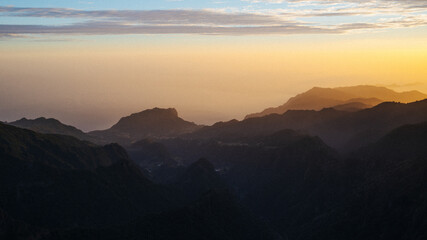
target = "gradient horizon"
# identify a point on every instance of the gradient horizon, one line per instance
(91, 80)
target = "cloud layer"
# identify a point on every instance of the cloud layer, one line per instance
(296, 19)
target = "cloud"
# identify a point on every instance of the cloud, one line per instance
(209, 22)
(147, 16)
(105, 28)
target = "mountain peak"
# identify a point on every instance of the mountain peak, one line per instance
(150, 123)
(155, 116)
(157, 112)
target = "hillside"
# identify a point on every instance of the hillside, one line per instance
(60, 181)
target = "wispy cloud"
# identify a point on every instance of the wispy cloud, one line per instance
(277, 21)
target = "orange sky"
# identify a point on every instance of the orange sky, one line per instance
(91, 84)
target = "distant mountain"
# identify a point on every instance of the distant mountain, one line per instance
(59, 181)
(340, 129)
(51, 126)
(363, 96)
(153, 123)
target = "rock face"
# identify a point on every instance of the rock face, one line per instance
(360, 97)
(153, 123)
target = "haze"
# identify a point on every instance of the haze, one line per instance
(89, 74)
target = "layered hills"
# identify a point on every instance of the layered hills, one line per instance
(342, 98)
(342, 130)
(60, 181)
(58, 187)
(278, 176)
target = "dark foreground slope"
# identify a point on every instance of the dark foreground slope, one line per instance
(59, 181)
(308, 193)
(212, 213)
(57, 187)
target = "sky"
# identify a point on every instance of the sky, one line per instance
(88, 63)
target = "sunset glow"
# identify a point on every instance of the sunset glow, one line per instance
(88, 64)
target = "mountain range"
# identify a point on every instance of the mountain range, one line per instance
(58, 187)
(356, 170)
(342, 130)
(342, 98)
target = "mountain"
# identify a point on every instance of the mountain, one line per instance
(58, 187)
(388, 199)
(364, 96)
(306, 191)
(50, 125)
(152, 123)
(342, 130)
(55, 181)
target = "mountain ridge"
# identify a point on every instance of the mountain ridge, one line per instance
(339, 129)
(317, 98)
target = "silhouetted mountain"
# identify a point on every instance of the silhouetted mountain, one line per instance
(277, 168)
(319, 98)
(153, 123)
(388, 197)
(306, 192)
(58, 187)
(50, 126)
(59, 181)
(339, 129)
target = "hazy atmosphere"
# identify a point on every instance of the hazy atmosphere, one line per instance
(213, 120)
(89, 63)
